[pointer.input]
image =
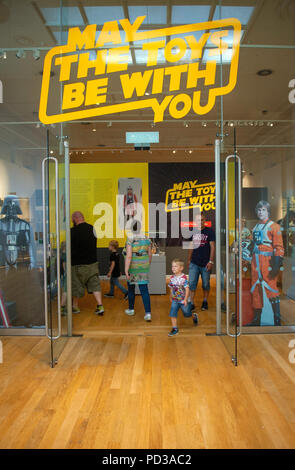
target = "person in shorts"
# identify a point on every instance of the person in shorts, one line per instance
(85, 272)
(179, 296)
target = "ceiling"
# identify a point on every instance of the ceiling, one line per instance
(258, 108)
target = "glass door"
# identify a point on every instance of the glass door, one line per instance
(268, 240)
(57, 313)
(256, 241)
(21, 234)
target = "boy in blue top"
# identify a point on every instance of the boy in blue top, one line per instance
(179, 296)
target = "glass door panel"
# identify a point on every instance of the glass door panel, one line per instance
(268, 240)
(21, 233)
(267, 232)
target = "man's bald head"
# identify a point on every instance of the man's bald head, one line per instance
(77, 218)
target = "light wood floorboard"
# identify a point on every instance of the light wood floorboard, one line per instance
(126, 385)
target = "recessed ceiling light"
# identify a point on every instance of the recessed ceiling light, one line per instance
(94, 130)
(264, 72)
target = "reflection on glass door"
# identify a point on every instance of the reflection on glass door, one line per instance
(21, 235)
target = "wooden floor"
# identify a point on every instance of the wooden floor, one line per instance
(125, 384)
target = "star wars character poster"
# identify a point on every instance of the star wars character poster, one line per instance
(129, 202)
(263, 252)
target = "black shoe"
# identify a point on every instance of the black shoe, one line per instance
(126, 296)
(257, 318)
(195, 319)
(108, 295)
(204, 305)
(275, 303)
(173, 332)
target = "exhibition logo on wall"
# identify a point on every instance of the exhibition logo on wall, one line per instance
(187, 191)
(189, 194)
(92, 64)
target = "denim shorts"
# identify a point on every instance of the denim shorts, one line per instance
(194, 273)
(175, 306)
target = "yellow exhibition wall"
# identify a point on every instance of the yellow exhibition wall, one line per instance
(233, 200)
(96, 184)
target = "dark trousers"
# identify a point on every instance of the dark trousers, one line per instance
(144, 291)
(114, 281)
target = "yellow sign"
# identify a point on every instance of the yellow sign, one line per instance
(190, 194)
(89, 82)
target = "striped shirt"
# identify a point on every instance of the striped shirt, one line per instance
(139, 266)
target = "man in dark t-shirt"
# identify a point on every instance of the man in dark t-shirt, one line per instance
(201, 259)
(85, 273)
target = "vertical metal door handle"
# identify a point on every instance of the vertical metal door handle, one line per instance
(227, 243)
(45, 243)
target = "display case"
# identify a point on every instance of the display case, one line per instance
(158, 243)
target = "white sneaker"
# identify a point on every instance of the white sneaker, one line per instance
(129, 312)
(148, 317)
